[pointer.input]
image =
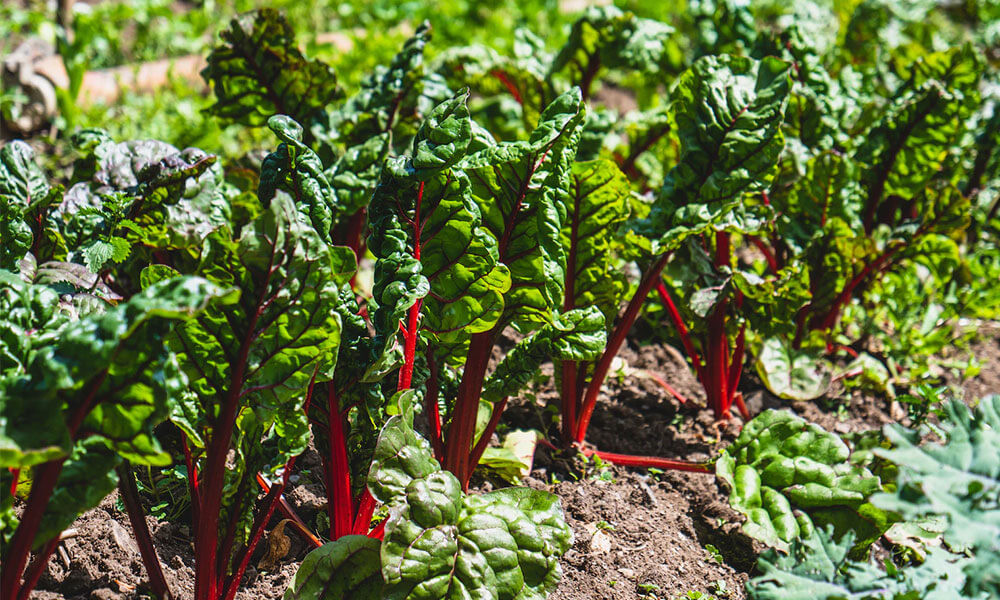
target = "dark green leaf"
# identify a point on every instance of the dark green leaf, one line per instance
(788, 476)
(346, 568)
(259, 72)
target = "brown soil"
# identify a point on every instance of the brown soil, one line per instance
(636, 535)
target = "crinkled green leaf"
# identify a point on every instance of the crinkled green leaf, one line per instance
(144, 193)
(258, 72)
(829, 190)
(521, 189)
(346, 568)
(282, 331)
(355, 174)
(514, 89)
(441, 543)
(454, 264)
(22, 184)
(597, 205)
(444, 136)
(908, 145)
(792, 374)
(389, 97)
(606, 37)
(728, 112)
(113, 362)
(722, 26)
(295, 169)
(263, 350)
(788, 476)
(401, 456)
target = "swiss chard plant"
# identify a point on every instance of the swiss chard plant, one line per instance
(439, 542)
(874, 179)
(83, 384)
(728, 111)
(605, 43)
(258, 72)
(467, 236)
(252, 365)
(789, 478)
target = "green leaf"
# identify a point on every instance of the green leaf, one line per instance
(388, 98)
(440, 543)
(444, 136)
(111, 365)
(958, 480)
(258, 72)
(521, 189)
(22, 185)
(401, 456)
(295, 169)
(908, 146)
(728, 111)
(788, 476)
(829, 190)
(606, 37)
(577, 335)
(346, 568)
(792, 374)
(818, 567)
(597, 206)
(260, 353)
(514, 89)
(453, 263)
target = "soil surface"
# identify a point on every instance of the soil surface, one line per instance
(637, 535)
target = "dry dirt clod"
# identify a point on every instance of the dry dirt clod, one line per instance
(278, 545)
(600, 541)
(123, 538)
(64, 556)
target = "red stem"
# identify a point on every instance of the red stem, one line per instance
(289, 513)
(829, 320)
(717, 355)
(413, 315)
(491, 427)
(366, 508)
(568, 398)
(649, 279)
(36, 568)
(507, 83)
(431, 407)
(207, 580)
(458, 444)
(232, 583)
(379, 531)
(631, 460)
(16, 556)
(738, 397)
(736, 367)
(264, 514)
(137, 517)
(16, 474)
(670, 389)
(772, 262)
(682, 330)
(339, 500)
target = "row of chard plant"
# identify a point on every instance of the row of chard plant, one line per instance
(169, 309)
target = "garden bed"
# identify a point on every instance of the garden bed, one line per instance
(636, 535)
